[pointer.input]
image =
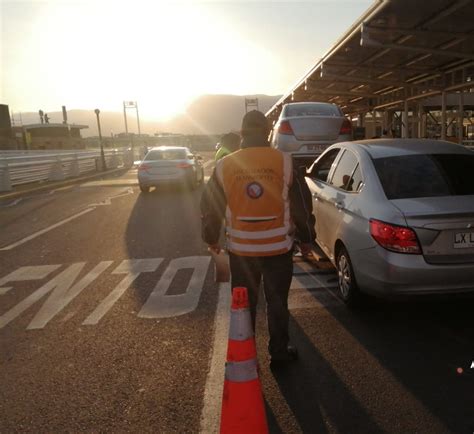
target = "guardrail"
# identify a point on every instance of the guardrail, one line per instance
(24, 167)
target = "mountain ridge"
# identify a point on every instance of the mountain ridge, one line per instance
(208, 114)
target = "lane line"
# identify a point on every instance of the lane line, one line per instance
(211, 411)
(49, 228)
(15, 202)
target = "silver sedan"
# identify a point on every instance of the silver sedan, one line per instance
(170, 164)
(396, 216)
(306, 129)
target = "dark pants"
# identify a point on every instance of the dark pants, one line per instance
(277, 273)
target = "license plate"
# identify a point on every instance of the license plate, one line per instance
(320, 148)
(463, 240)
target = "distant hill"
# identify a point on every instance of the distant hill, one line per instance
(208, 114)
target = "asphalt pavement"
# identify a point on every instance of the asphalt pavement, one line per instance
(110, 321)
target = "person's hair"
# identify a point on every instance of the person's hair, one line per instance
(255, 123)
(231, 141)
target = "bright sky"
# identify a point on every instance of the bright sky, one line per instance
(163, 54)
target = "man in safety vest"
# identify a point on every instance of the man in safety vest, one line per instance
(266, 204)
(230, 142)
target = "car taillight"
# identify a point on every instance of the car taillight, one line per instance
(285, 128)
(399, 239)
(184, 165)
(143, 167)
(346, 127)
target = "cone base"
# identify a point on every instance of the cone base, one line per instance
(243, 409)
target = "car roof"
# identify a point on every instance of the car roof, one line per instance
(168, 148)
(310, 102)
(381, 148)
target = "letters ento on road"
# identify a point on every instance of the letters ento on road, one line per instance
(66, 286)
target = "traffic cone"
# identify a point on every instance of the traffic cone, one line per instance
(243, 410)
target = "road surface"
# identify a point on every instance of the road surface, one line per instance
(110, 321)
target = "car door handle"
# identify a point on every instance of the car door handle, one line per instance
(339, 205)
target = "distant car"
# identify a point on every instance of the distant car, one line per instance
(170, 164)
(306, 129)
(396, 216)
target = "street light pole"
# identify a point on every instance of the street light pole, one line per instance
(102, 155)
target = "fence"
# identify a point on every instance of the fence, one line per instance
(24, 167)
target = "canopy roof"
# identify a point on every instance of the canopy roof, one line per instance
(398, 50)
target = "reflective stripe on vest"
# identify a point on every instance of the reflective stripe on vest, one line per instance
(263, 248)
(256, 183)
(256, 235)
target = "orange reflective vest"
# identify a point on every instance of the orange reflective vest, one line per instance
(256, 183)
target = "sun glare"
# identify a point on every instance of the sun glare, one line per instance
(161, 54)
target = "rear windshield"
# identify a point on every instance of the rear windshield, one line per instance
(312, 110)
(411, 176)
(169, 154)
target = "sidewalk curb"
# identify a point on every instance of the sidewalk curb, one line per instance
(54, 185)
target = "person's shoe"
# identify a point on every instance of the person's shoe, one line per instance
(282, 359)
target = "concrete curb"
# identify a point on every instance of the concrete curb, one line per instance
(54, 185)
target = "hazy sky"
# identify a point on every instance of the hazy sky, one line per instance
(88, 54)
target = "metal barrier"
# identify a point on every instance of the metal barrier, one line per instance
(24, 167)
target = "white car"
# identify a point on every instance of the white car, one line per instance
(170, 165)
(306, 129)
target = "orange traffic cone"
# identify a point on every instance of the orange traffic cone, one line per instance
(243, 410)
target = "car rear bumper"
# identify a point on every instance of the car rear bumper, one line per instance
(381, 272)
(151, 180)
(296, 146)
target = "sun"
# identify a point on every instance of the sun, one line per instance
(161, 54)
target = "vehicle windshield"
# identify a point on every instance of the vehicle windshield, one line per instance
(312, 110)
(412, 176)
(169, 154)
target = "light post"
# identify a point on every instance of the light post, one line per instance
(102, 155)
(128, 105)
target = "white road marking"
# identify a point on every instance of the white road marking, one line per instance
(49, 228)
(211, 411)
(308, 268)
(160, 305)
(26, 273)
(312, 281)
(67, 187)
(15, 202)
(63, 293)
(132, 268)
(207, 163)
(108, 200)
(110, 182)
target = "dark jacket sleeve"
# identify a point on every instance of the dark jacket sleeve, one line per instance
(301, 208)
(213, 204)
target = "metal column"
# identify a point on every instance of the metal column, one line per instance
(443, 115)
(405, 126)
(460, 121)
(421, 121)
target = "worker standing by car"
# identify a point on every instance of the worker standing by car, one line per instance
(230, 142)
(266, 204)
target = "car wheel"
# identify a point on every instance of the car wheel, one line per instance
(348, 288)
(144, 189)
